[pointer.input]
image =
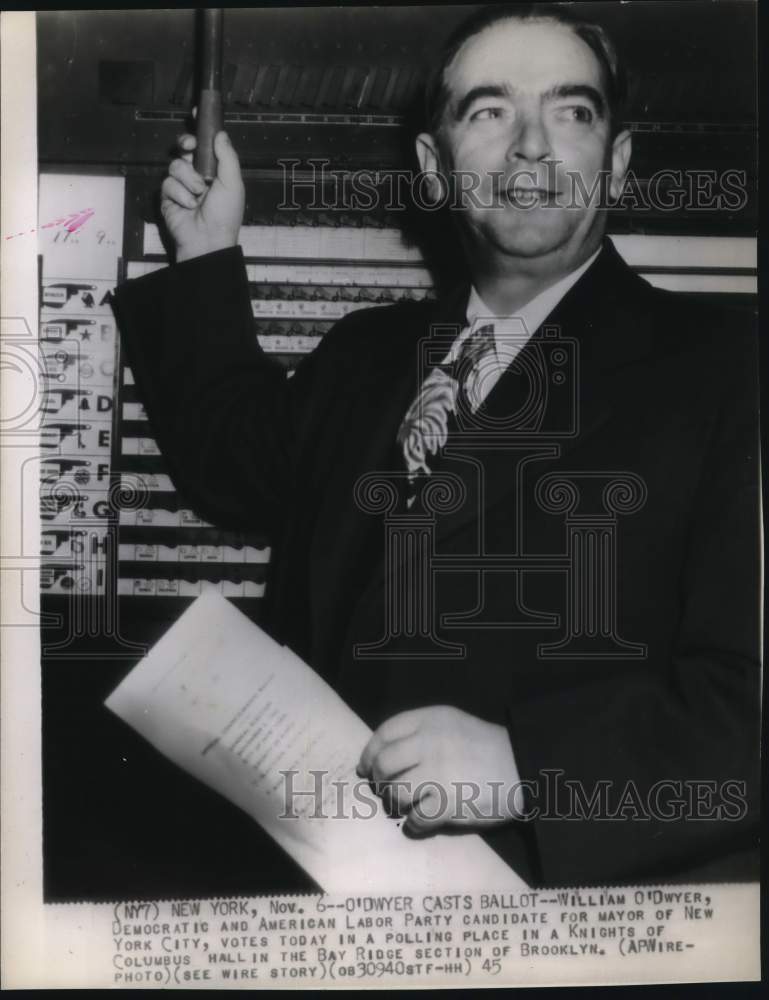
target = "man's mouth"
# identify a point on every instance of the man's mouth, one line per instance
(527, 196)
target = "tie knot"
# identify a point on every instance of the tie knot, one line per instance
(476, 357)
(480, 342)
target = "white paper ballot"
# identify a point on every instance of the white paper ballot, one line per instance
(227, 703)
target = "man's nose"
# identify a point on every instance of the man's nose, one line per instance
(530, 140)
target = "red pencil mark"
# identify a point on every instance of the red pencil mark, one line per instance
(73, 222)
(79, 220)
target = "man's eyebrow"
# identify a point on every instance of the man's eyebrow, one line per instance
(475, 94)
(565, 90)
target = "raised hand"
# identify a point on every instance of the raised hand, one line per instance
(199, 217)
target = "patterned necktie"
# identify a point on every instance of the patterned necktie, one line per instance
(424, 429)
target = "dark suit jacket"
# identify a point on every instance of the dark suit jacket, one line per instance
(660, 397)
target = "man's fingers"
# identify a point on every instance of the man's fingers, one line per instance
(174, 191)
(370, 751)
(428, 813)
(186, 145)
(227, 162)
(395, 728)
(401, 725)
(396, 758)
(187, 175)
(398, 796)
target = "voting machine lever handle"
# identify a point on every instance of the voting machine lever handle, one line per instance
(209, 118)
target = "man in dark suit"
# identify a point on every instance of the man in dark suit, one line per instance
(587, 623)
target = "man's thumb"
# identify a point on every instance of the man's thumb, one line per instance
(227, 163)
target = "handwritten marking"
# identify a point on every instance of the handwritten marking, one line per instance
(71, 222)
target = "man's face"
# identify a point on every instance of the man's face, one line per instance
(527, 107)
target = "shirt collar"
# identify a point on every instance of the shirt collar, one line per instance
(522, 324)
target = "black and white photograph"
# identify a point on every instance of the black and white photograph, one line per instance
(382, 524)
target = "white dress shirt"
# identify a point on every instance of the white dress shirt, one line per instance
(510, 332)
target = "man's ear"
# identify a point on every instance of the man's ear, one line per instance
(620, 160)
(430, 164)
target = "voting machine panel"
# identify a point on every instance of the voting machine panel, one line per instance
(322, 105)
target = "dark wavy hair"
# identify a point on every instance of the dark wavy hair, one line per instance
(593, 35)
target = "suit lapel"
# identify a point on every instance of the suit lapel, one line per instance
(344, 559)
(388, 386)
(558, 393)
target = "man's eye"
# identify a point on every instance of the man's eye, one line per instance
(576, 113)
(486, 114)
